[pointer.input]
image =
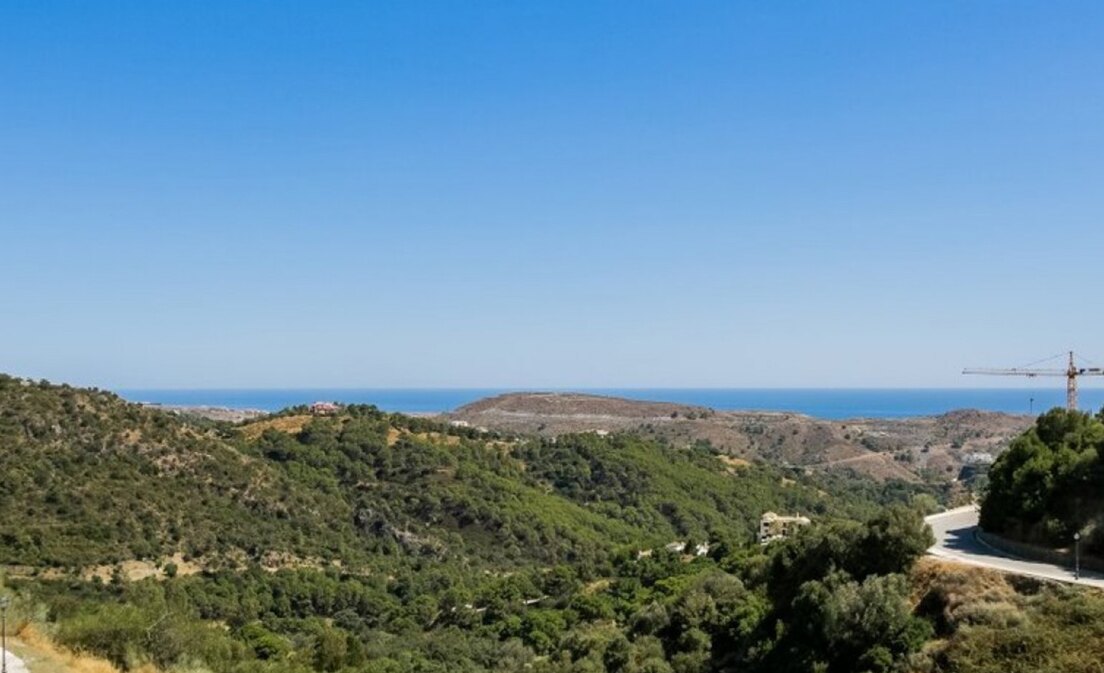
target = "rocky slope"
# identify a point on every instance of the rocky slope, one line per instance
(923, 448)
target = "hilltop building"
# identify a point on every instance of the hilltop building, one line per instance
(775, 527)
(324, 408)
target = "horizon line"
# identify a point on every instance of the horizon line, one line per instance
(539, 389)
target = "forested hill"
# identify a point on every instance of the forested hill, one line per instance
(371, 543)
(90, 479)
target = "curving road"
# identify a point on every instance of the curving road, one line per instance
(955, 541)
(14, 663)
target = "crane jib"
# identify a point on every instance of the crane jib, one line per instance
(1071, 373)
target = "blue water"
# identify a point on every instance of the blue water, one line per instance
(822, 403)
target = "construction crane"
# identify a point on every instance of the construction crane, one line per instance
(1071, 373)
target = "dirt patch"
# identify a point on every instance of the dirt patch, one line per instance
(292, 425)
(438, 438)
(575, 404)
(735, 463)
(131, 437)
(911, 449)
(42, 655)
(597, 586)
(273, 561)
(394, 435)
(140, 570)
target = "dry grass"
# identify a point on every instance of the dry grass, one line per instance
(289, 424)
(734, 463)
(438, 438)
(140, 570)
(394, 435)
(132, 570)
(962, 594)
(970, 582)
(42, 655)
(131, 437)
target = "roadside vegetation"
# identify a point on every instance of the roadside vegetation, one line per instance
(988, 622)
(1049, 485)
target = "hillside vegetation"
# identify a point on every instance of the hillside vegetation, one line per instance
(367, 542)
(1050, 484)
(932, 449)
(987, 622)
(90, 479)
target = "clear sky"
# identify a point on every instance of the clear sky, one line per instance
(281, 194)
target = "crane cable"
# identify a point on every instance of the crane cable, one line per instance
(1086, 360)
(1039, 362)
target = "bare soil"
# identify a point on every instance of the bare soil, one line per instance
(913, 449)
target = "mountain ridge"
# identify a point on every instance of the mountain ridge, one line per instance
(924, 448)
(92, 481)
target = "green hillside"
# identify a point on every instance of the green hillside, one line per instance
(1049, 485)
(367, 542)
(90, 479)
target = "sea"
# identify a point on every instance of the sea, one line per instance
(832, 403)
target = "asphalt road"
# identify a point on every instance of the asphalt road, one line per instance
(14, 663)
(955, 540)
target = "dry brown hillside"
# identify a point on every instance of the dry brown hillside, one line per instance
(932, 447)
(576, 405)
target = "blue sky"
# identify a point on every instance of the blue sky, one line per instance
(235, 194)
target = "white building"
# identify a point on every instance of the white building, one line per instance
(775, 527)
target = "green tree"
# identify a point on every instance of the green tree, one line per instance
(852, 626)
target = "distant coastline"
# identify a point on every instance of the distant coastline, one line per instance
(820, 403)
(215, 413)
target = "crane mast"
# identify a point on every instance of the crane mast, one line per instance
(1072, 372)
(1071, 384)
